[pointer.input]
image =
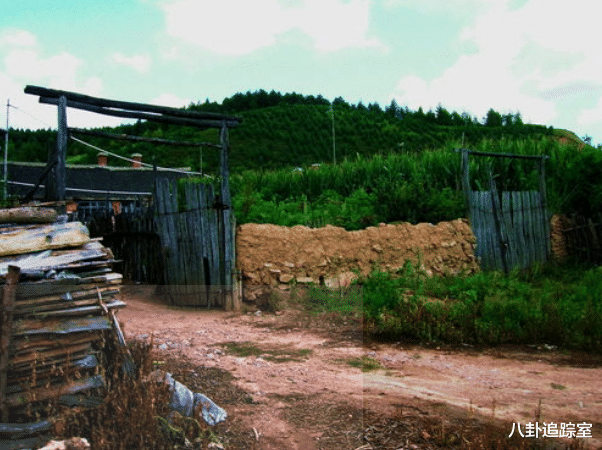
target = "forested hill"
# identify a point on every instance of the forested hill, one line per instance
(290, 130)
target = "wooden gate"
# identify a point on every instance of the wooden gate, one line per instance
(197, 237)
(512, 229)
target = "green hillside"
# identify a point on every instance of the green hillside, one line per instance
(290, 130)
(392, 164)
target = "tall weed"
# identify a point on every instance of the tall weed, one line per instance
(487, 308)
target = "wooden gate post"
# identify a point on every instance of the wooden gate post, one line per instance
(228, 235)
(544, 205)
(55, 183)
(466, 182)
(7, 306)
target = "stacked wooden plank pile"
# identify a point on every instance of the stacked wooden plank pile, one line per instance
(58, 307)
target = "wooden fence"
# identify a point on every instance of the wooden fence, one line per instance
(512, 229)
(197, 236)
(131, 235)
(511, 234)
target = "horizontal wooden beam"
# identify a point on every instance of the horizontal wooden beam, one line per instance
(132, 106)
(160, 118)
(503, 155)
(127, 137)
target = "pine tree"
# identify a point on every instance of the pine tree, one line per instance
(493, 118)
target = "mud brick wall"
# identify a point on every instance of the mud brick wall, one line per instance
(272, 255)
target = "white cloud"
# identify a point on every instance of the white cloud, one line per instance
(140, 63)
(17, 38)
(238, 27)
(523, 56)
(172, 100)
(231, 27)
(23, 62)
(334, 25)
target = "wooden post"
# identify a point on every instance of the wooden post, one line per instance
(466, 183)
(7, 306)
(544, 205)
(55, 185)
(227, 220)
(499, 240)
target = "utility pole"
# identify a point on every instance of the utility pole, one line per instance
(334, 154)
(5, 174)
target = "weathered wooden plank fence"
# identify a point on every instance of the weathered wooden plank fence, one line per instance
(196, 235)
(512, 228)
(131, 235)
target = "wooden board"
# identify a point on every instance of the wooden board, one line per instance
(58, 326)
(71, 234)
(45, 393)
(60, 287)
(50, 259)
(28, 214)
(107, 291)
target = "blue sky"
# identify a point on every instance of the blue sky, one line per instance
(539, 57)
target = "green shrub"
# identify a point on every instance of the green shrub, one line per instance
(487, 308)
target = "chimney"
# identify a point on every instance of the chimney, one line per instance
(137, 161)
(102, 159)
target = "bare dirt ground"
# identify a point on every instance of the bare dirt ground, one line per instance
(288, 381)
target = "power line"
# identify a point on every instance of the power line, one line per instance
(90, 191)
(32, 116)
(164, 169)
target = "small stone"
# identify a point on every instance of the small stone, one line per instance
(258, 313)
(267, 265)
(250, 276)
(290, 265)
(346, 278)
(285, 278)
(332, 282)
(377, 248)
(275, 271)
(305, 280)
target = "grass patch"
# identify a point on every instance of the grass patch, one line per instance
(560, 387)
(278, 354)
(560, 306)
(365, 363)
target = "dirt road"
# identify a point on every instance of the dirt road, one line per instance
(301, 385)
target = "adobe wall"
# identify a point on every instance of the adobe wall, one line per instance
(272, 255)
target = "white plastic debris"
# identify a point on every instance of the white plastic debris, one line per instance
(188, 403)
(75, 443)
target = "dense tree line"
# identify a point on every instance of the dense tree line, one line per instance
(291, 130)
